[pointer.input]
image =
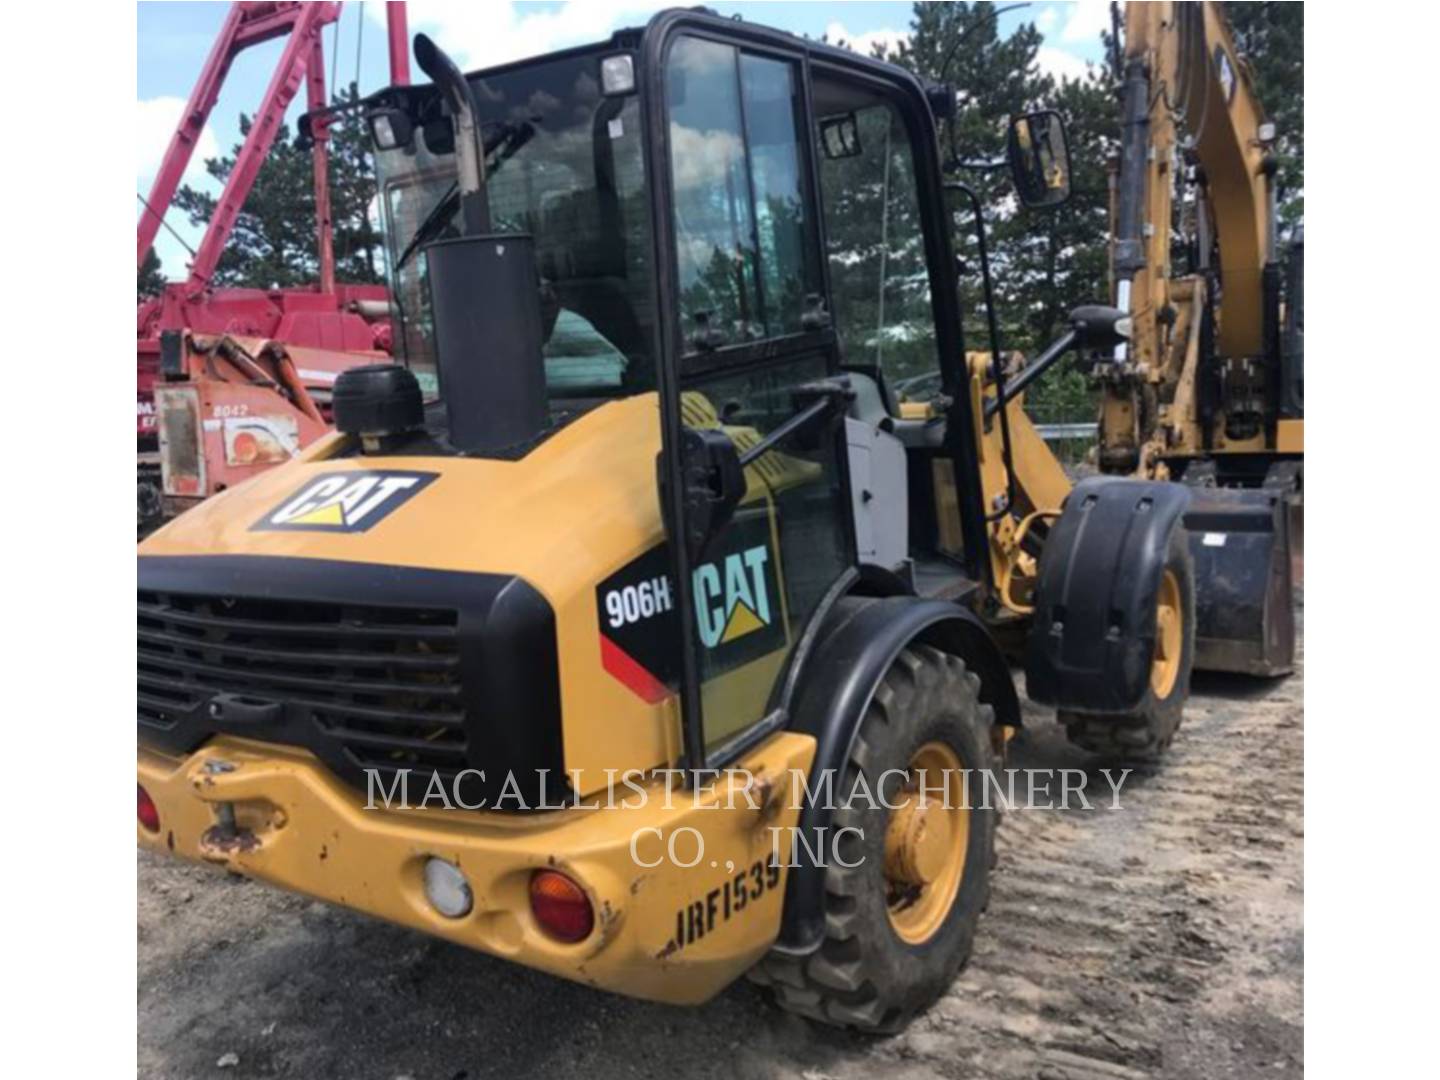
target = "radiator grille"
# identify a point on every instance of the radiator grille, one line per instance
(382, 684)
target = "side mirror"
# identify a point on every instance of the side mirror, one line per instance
(1040, 158)
(713, 485)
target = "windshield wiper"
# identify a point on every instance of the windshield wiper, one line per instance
(506, 140)
(438, 217)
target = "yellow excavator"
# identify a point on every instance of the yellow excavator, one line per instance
(530, 653)
(1209, 388)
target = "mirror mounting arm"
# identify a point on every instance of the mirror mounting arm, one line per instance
(1032, 371)
(992, 324)
(712, 469)
(816, 399)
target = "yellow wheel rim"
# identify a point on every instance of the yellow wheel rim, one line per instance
(1169, 637)
(926, 840)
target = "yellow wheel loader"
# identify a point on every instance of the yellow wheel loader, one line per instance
(1209, 390)
(633, 630)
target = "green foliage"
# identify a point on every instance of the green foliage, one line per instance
(359, 245)
(273, 243)
(149, 280)
(1062, 255)
(878, 272)
(1271, 38)
(1043, 262)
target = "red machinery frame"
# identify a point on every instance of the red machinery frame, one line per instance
(235, 350)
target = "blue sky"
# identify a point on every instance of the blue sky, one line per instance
(174, 39)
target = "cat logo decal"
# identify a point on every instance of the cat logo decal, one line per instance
(738, 607)
(347, 502)
(732, 597)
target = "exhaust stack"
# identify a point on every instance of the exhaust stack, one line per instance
(485, 299)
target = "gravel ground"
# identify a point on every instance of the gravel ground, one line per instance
(1163, 939)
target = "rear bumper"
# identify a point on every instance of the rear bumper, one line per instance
(300, 828)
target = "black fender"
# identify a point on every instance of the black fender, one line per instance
(854, 649)
(1093, 633)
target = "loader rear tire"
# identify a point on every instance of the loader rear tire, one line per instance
(1146, 733)
(900, 921)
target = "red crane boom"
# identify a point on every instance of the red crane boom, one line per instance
(250, 24)
(327, 326)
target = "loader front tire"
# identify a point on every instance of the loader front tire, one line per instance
(900, 919)
(1146, 733)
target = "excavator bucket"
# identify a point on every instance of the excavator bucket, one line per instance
(1244, 602)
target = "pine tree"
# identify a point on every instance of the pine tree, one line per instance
(273, 243)
(149, 280)
(359, 257)
(1062, 255)
(1043, 262)
(1271, 38)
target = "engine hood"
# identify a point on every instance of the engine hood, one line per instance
(566, 514)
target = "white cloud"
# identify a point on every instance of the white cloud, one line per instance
(480, 35)
(155, 121)
(865, 43)
(700, 156)
(1060, 64)
(174, 259)
(1087, 19)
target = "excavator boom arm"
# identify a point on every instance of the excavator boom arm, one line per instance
(1189, 99)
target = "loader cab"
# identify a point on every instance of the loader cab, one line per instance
(753, 227)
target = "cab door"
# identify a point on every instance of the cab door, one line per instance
(749, 359)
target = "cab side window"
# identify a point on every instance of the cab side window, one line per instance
(744, 237)
(875, 242)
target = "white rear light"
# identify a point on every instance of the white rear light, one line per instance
(446, 888)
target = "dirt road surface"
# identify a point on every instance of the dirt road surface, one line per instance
(1162, 939)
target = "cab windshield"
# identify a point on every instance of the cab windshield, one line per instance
(565, 165)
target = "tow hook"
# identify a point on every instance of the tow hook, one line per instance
(225, 837)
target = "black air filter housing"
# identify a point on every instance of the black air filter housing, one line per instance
(377, 400)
